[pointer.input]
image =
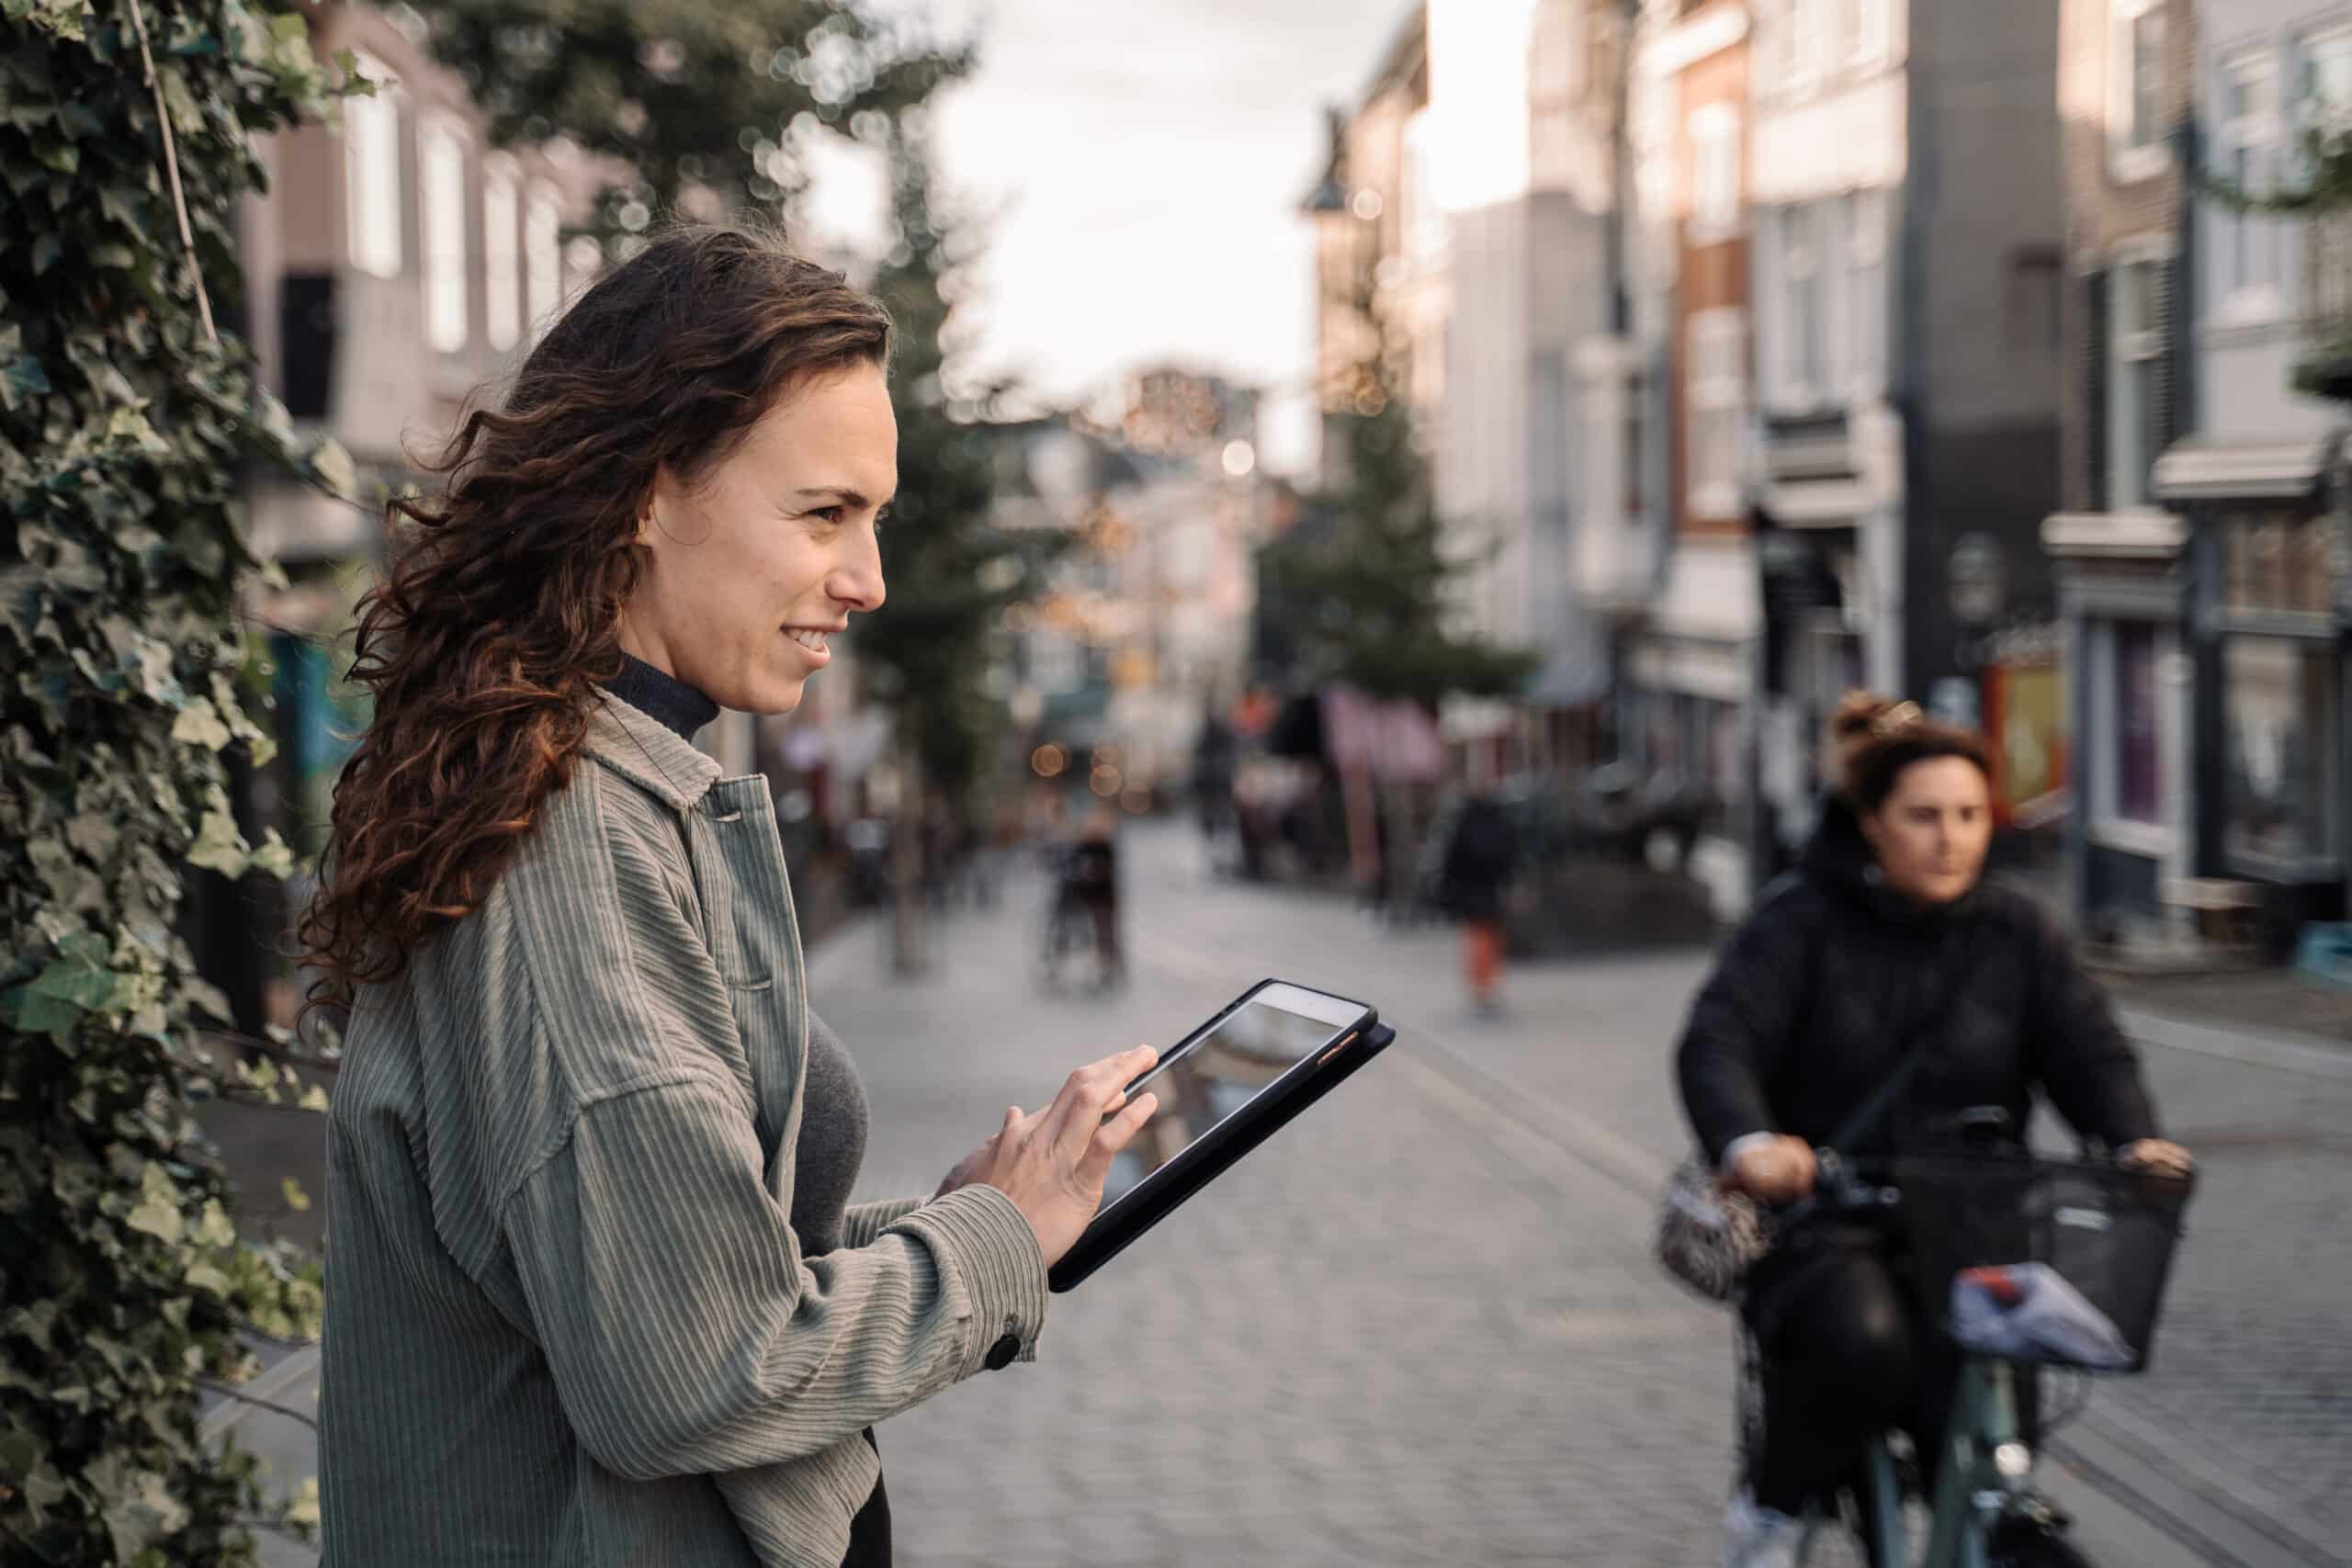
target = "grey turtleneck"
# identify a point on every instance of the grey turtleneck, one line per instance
(833, 1115)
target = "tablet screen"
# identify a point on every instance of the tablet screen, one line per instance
(1214, 1073)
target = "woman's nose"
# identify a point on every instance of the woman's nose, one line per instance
(856, 580)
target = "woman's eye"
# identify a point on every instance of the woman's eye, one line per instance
(829, 513)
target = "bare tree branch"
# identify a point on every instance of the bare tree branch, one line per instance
(243, 1398)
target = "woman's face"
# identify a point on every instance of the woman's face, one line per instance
(756, 567)
(1931, 834)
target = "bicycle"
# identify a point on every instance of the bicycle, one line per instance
(1977, 1215)
(1072, 925)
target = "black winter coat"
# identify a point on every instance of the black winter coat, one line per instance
(1826, 986)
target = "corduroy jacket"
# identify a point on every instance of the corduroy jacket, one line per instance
(567, 1320)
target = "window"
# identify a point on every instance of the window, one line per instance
(2322, 105)
(1870, 31)
(1714, 172)
(1801, 278)
(2279, 696)
(543, 255)
(1866, 256)
(501, 254)
(2135, 353)
(2246, 145)
(2135, 109)
(1636, 456)
(2278, 564)
(2322, 86)
(371, 166)
(442, 170)
(1713, 399)
(2136, 786)
(1804, 60)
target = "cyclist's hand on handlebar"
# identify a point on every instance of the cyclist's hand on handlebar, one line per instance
(1052, 1163)
(2159, 1156)
(1775, 1173)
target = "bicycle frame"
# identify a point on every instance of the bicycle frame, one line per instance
(1983, 1465)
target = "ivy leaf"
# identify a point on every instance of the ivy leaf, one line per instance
(296, 1199)
(313, 1099)
(200, 724)
(75, 978)
(215, 1229)
(161, 1220)
(46, 252)
(274, 858)
(208, 999)
(23, 377)
(334, 467)
(218, 846)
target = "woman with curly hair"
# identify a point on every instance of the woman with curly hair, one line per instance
(595, 1296)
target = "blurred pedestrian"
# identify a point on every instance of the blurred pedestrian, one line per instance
(1094, 883)
(598, 1297)
(1480, 852)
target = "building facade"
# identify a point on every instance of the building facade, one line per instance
(2126, 95)
(1687, 680)
(1907, 217)
(2260, 482)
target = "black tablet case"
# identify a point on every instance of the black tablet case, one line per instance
(1204, 1160)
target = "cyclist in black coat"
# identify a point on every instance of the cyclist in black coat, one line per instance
(1888, 930)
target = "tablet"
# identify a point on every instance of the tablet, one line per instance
(1225, 1089)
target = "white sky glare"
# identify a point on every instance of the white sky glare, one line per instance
(1142, 162)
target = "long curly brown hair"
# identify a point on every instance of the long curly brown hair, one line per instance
(499, 613)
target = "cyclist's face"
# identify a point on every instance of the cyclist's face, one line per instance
(1931, 834)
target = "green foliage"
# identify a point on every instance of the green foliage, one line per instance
(951, 574)
(2322, 197)
(124, 435)
(1362, 592)
(2325, 188)
(687, 93)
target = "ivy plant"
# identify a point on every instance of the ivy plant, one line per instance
(127, 428)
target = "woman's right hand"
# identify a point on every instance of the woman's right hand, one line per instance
(1780, 1171)
(1052, 1163)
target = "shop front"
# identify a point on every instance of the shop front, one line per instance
(2269, 542)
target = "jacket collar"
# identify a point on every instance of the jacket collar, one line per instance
(640, 747)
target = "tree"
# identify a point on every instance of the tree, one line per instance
(951, 572)
(1361, 595)
(702, 96)
(1365, 594)
(127, 424)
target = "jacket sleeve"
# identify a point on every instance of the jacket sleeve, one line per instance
(2079, 1051)
(685, 1332)
(863, 1224)
(1741, 1022)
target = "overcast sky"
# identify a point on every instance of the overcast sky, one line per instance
(1145, 160)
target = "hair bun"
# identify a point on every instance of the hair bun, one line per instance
(1858, 714)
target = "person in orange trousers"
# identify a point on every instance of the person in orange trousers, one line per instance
(1479, 856)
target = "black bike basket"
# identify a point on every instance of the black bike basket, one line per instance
(2106, 1231)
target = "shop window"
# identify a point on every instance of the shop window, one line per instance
(2283, 727)
(2279, 564)
(2138, 777)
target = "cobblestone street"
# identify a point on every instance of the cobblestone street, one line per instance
(1421, 1327)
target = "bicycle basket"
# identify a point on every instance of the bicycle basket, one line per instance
(2053, 1261)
